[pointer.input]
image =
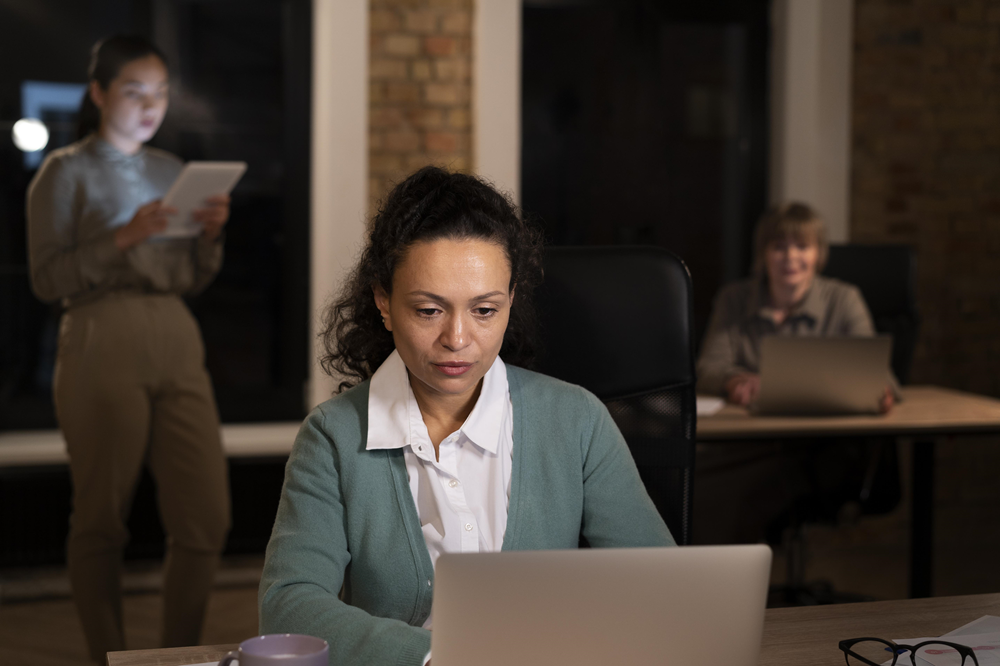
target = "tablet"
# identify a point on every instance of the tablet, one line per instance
(197, 182)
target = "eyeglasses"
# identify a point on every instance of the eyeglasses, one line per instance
(875, 652)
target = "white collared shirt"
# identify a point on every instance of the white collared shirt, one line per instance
(462, 498)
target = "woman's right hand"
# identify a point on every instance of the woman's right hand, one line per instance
(148, 220)
(742, 389)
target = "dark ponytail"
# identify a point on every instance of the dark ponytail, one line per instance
(106, 61)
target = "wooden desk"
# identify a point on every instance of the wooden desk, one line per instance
(792, 636)
(809, 636)
(170, 656)
(926, 413)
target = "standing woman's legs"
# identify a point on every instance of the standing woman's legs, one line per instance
(186, 458)
(102, 404)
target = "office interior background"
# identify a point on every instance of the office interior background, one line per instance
(634, 122)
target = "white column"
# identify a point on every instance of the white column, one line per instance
(812, 44)
(496, 103)
(339, 161)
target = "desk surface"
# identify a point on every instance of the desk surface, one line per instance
(809, 635)
(924, 410)
(792, 636)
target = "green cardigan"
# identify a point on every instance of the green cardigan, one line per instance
(347, 559)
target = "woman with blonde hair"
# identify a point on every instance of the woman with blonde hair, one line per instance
(785, 296)
(740, 489)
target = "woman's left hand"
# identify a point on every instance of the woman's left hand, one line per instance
(887, 401)
(214, 216)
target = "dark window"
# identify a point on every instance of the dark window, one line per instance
(240, 91)
(645, 123)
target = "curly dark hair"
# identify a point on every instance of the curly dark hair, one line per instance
(431, 204)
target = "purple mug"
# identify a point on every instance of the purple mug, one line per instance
(283, 649)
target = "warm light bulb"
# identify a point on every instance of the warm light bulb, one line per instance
(30, 134)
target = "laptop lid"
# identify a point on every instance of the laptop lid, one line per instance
(832, 375)
(688, 606)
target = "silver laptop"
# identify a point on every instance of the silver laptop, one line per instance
(822, 375)
(690, 606)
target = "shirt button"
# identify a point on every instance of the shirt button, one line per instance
(428, 582)
(468, 527)
(453, 483)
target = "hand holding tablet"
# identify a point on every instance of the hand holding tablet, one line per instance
(197, 183)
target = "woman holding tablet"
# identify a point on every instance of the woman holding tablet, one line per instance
(130, 384)
(441, 442)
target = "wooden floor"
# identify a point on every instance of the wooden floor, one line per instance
(47, 633)
(868, 557)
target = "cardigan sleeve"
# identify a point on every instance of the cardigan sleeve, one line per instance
(307, 557)
(718, 360)
(854, 320)
(617, 510)
(61, 265)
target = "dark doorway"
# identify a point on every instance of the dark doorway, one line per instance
(646, 123)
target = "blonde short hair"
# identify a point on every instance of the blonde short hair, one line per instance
(794, 220)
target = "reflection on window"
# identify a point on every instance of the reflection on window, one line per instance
(240, 90)
(55, 104)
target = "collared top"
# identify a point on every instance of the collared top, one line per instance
(347, 559)
(80, 196)
(462, 498)
(741, 318)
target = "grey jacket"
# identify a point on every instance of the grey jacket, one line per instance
(81, 194)
(739, 322)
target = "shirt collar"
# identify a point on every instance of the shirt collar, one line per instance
(483, 425)
(390, 402)
(811, 306)
(388, 405)
(108, 152)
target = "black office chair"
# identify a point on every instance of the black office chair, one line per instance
(886, 276)
(617, 321)
(868, 474)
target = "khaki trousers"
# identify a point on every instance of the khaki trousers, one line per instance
(131, 389)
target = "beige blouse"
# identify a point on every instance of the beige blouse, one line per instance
(740, 319)
(84, 192)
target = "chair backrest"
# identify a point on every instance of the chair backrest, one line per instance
(886, 276)
(617, 321)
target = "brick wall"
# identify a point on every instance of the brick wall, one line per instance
(925, 156)
(420, 89)
(926, 170)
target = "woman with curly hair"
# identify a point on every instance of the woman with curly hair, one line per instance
(439, 440)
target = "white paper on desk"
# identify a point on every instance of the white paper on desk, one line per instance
(987, 624)
(914, 641)
(986, 647)
(707, 405)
